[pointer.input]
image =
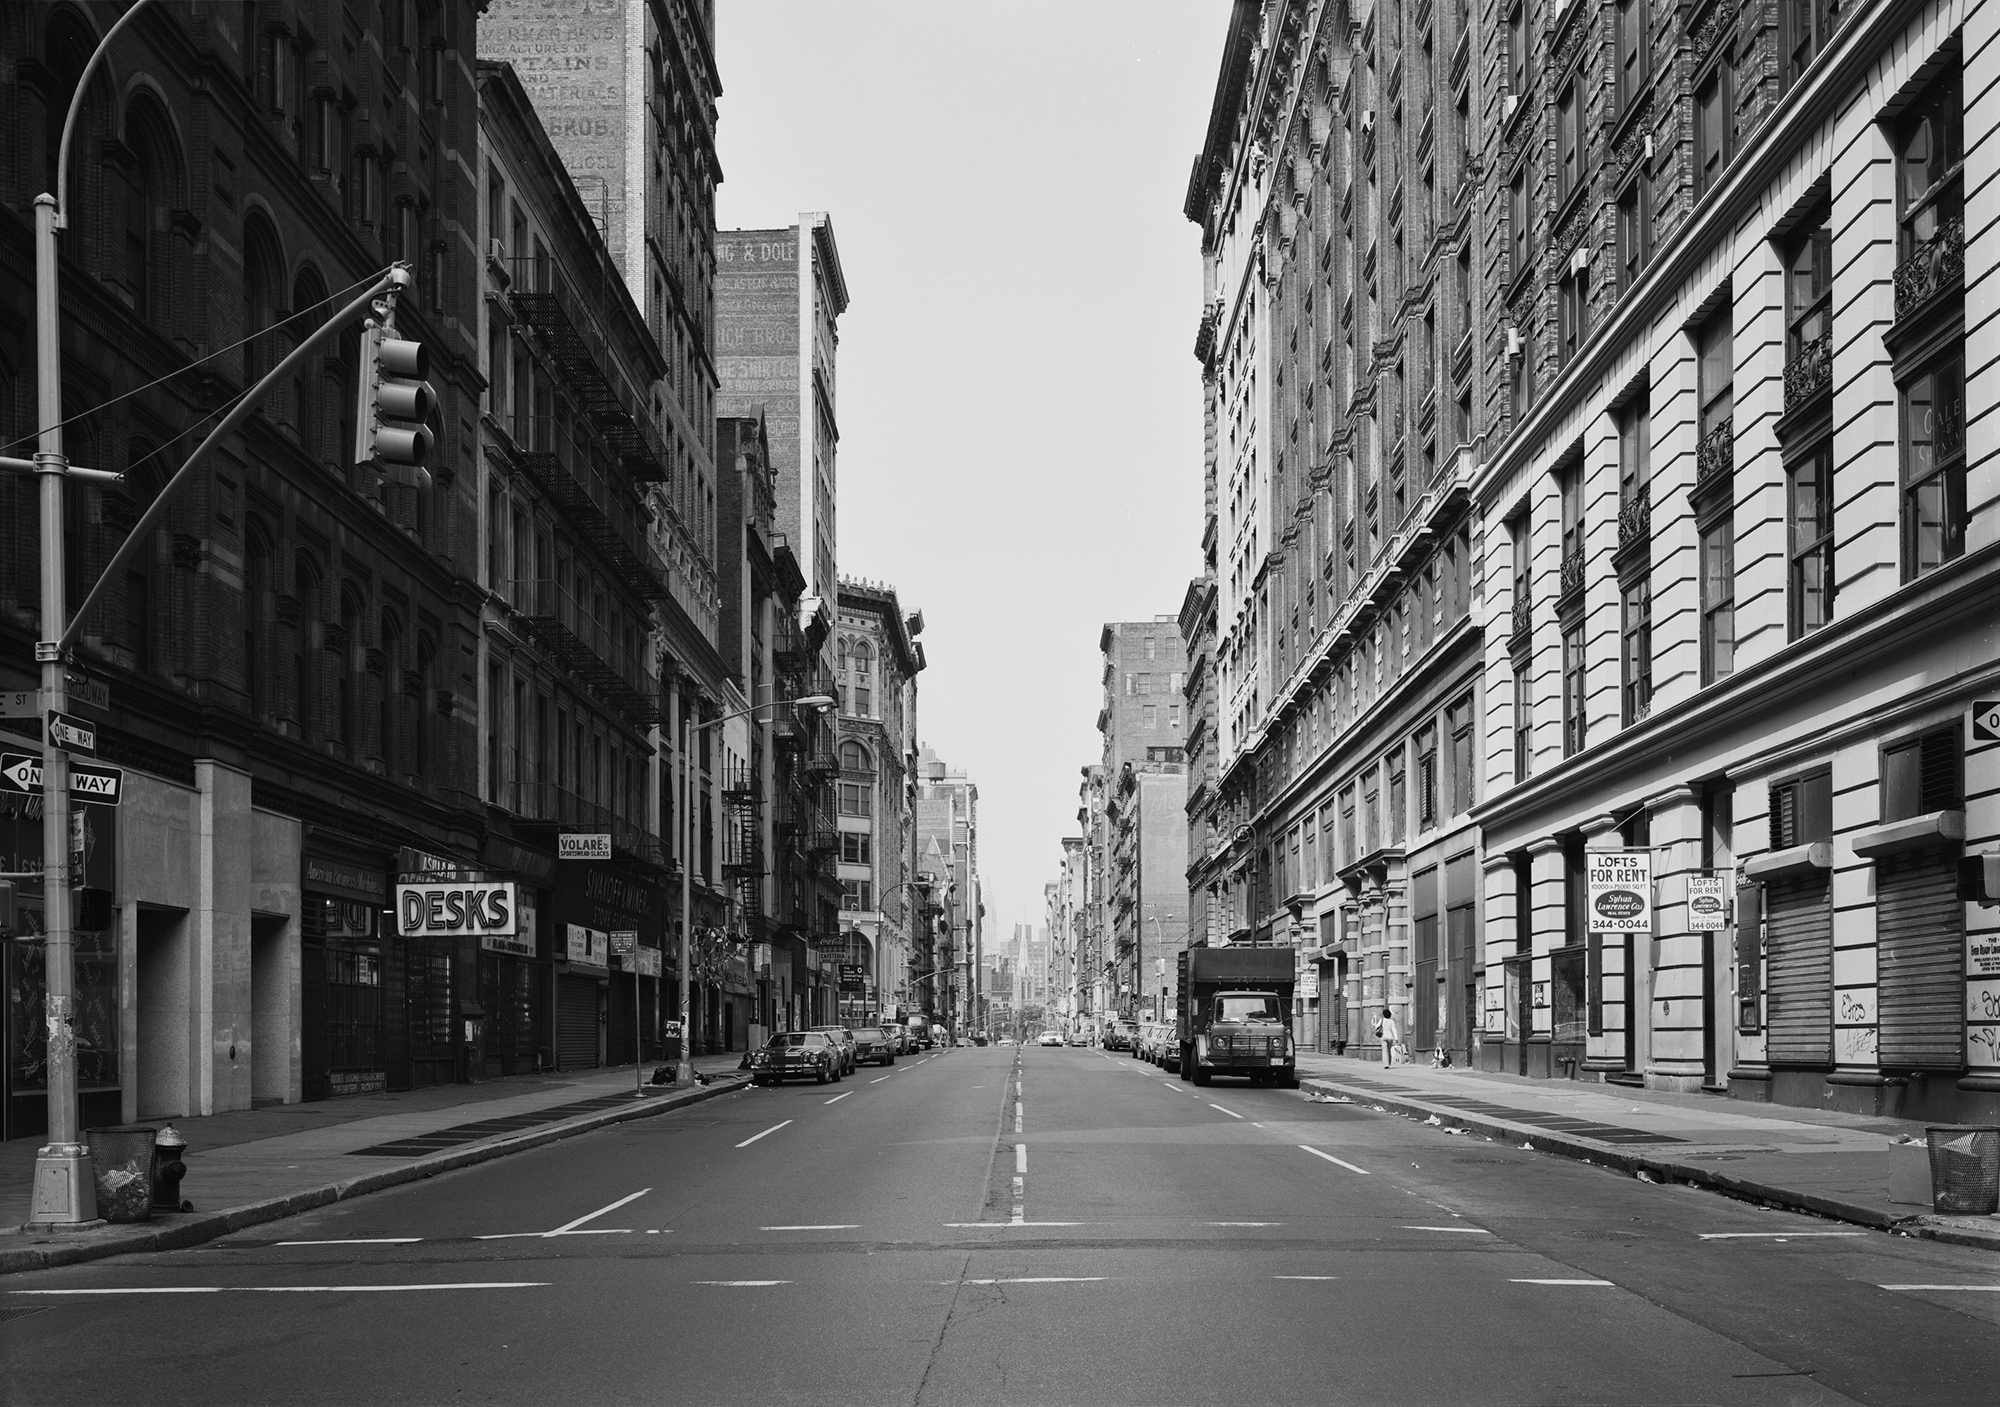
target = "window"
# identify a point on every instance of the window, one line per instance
(1714, 122)
(1807, 26)
(1718, 600)
(1930, 166)
(1635, 231)
(1348, 854)
(1398, 799)
(1150, 716)
(857, 896)
(1569, 140)
(1371, 809)
(1921, 775)
(1520, 62)
(1574, 733)
(1569, 492)
(1635, 467)
(856, 799)
(1173, 715)
(1520, 228)
(1636, 649)
(1933, 452)
(1802, 810)
(1152, 646)
(1521, 538)
(1631, 21)
(1524, 722)
(857, 848)
(1464, 781)
(1427, 777)
(1573, 305)
(1808, 298)
(1809, 513)
(1714, 371)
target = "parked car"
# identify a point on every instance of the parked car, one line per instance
(1078, 1038)
(1005, 1040)
(874, 1043)
(919, 1035)
(844, 1039)
(795, 1055)
(1049, 1038)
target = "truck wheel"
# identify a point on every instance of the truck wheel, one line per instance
(1186, 1067)
(1201, 1076)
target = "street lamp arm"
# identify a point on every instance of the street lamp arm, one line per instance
(76, 106)
(821, 702)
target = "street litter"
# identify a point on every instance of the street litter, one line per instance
(1458, 1130)
(1434, 1121)
(1328, 1099)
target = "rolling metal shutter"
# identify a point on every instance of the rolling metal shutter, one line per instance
(1799, 939)
(576, 1022)
(1920, 975)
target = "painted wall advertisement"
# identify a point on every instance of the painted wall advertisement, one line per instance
(1621, 890)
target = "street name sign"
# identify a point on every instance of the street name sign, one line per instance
(91, 693)
(583, 845)
(103, 786)
(71, 734)
(20, 703)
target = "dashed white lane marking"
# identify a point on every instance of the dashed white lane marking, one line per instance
(1455, 1230)
(834, 1226)
(359, 1241)
(1006, 1225)
(1017, 1116)
(1974, 1289)
(1020, 1157)
(1230, 1112)
(742, 1282)
(879, 1079)
(295, 1289)
(1331, 1159)
(755, 1136)
(569, 1227)
(1305, 1277)
(838, 1097)
(1519, 1281)
(1032, 1280)
(1242, 1223)
(1771, 1235)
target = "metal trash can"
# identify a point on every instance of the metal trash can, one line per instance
(1965, 1170)
(121, 1164)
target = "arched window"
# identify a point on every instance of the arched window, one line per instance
(151, 192)
(263, 288)
(305, 678)
(346, 650)
(391, 709)
(259, 610)
(315, 387)
(854, 757)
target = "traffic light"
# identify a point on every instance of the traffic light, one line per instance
(393, 389)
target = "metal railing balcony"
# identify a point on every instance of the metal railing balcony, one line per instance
(1937, 265)
(1635, 517)
(1809, 372)
(552, 454)
(1715, 453)
(585, 645)
(561, 315)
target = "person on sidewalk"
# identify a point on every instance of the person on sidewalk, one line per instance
(1385, 1030)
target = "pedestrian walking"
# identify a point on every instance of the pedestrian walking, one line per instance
(1385, 1029)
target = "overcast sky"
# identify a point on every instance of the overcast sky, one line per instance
(1019, 403)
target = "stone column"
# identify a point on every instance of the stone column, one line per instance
(220, 1030)
(1669, 991)
(1545, 860)
(1498, 934)
(1607, 1050)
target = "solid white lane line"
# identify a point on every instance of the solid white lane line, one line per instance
(755, 1136)
(878, 1080)
(741, 1282)
(1331, 1159)
(1230, 1112)
(1242, 1223)
(1976, 1289)
(838, 1097)
(1771, 1235)
(359, 1241)
(572, 1225)
(1518, 1281)
(1032, 1280)
(1003, 1225)
(295, 1289)
(1305, 1277)
(1020, 1157)
(833, 1226)
(1455, 1230)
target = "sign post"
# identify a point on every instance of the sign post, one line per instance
(625, 945)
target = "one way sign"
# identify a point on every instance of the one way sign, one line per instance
(102, 786)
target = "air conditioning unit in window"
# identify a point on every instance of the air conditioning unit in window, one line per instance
(1579, 260)
(496, 260)
(1367, 120)
(1509, 103)
(1513, 342)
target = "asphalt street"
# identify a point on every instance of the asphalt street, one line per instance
(1032, 1226)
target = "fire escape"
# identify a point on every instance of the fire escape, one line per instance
(546, 301)
(743, 840)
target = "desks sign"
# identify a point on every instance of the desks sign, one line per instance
(102, 786)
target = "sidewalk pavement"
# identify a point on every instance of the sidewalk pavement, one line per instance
(256, 1165)
(1869, 1171)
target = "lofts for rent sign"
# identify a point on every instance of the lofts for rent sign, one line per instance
(482, 908)
(1621, 890)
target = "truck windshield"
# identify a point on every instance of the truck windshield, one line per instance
(1249, 1006)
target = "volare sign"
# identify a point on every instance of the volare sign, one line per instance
(434, 910)
(580, 845)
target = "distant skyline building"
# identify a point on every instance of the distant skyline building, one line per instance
(1140, 798)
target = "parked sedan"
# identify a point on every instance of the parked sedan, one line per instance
(874, 1043)
(1049, 1038)
(843, 1039)
(796, 1055)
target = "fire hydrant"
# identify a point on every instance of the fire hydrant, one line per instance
(168, 1170)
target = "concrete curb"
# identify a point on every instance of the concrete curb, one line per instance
(1632, 1164)
(194, 1229)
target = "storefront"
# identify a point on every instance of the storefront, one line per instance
(345, 1047)
(598, 1018)
(96, 967)
(514, 988)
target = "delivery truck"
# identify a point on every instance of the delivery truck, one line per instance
(1234, 1014)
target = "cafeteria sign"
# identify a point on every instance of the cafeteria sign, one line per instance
(1621, 891)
